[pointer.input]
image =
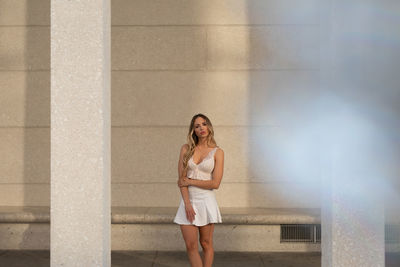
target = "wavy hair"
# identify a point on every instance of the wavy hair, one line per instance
(193, 140)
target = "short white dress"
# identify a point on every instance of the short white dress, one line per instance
(203, 201)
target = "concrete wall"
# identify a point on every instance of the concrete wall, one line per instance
(25, 102)
(251, 66)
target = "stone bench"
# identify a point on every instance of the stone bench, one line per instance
(165, 215)
(11, 214)
(152, 228)
(237, 216)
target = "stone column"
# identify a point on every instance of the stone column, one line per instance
(352, 211)
(80, 133)
(356, 141)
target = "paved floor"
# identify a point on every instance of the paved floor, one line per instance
(10, 258)
(178, 259)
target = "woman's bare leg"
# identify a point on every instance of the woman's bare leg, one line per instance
(206, 241)
(190, 236)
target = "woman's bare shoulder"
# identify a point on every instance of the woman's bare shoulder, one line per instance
(219, 150)
(184, 147)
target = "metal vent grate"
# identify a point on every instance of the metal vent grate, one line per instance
(317, 233)
(311, 233)
(306, 233)
(392, 234)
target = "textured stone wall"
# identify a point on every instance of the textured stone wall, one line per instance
(251, 66)
(25, 102)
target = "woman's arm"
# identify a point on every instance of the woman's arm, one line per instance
(217, 174)
(185, 195)
(184, 190)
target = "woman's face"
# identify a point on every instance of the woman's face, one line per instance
(200, 127)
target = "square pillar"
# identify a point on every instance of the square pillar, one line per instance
(80, 133)
(356, 118)
(352, 215)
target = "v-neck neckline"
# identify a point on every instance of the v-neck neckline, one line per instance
(203, 158)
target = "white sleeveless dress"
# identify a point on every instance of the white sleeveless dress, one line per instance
(203, 201)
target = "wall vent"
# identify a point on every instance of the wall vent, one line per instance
(304, 233)
(311, 233)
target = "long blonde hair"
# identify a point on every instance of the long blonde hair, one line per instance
(193, 140)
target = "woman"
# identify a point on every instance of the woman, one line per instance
(200, 168)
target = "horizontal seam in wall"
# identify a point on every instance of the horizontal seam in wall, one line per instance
(174, 182)
(216, 70)
(227, 182)
(185, 126)
(164, 126)
(27, 70)
(26, 26)
(24, 127)
(182, 70)
(25, 184)
(216, 25)
(178, 25)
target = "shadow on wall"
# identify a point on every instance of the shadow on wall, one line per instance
(157, 83)
(36, 132)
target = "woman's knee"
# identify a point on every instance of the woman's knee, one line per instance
(206, 243)
(191, 245)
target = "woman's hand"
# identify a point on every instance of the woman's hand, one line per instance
(189, 212)
(184, 182)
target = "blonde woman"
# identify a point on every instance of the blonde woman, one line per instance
(200, 168)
